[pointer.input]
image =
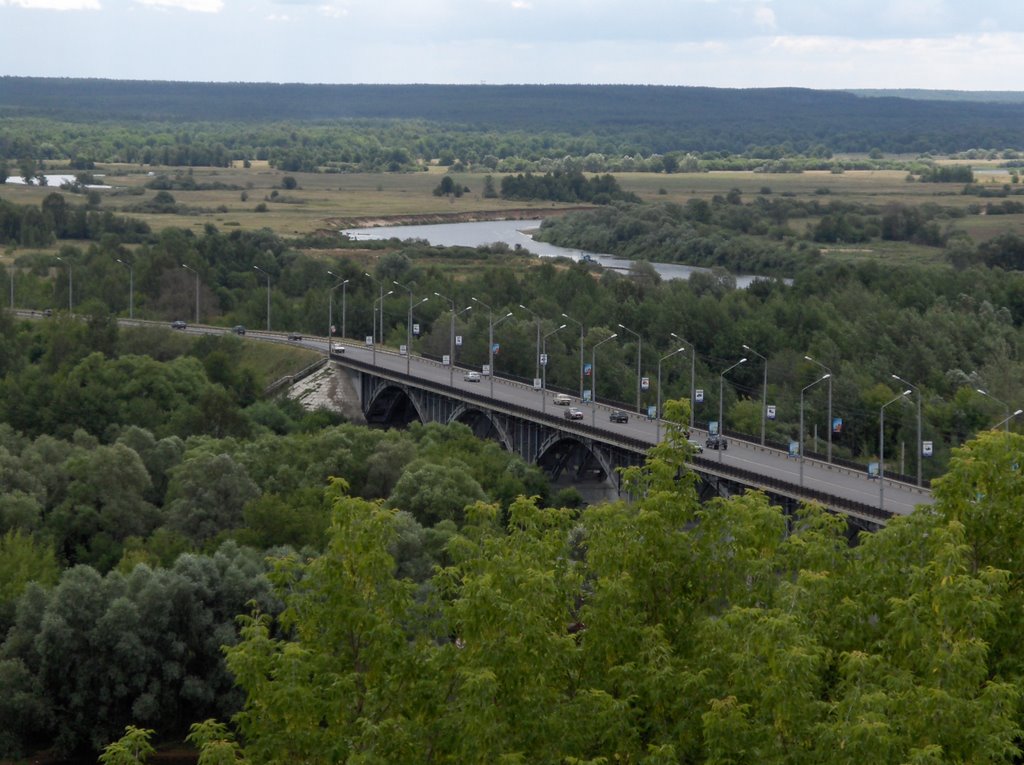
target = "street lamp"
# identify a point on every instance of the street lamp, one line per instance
(721, 391)
(330, 309)
(408, 324)
(1015, 414)
(451, 339)
(580, 325)
(693, 374)
(593, 375)
(544, 367)
(536, 365)
(373, 343)
(764, 390)
(639, 349)
(829, 375)
(804, 390)
(257, 268)
(914, 387)
(189, 268)
(70, 282)
(491, 324)
(1006, 406)
(657, 437)
(881, 448)
(373, 332)
(131, 289)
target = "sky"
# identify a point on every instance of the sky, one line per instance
(823, 44)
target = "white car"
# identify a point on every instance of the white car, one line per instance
(562, 399)
(471, 377)
(336, 348)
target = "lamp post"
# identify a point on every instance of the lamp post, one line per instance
(593, 374)
(829, 375)
(70, 282)
(189, 268)
(131, 289)
(657, 429)
(693, 375)
(408, 323)
(804, 390)
(330, 309)
(536, 360)
(12, 287)
(639, 349)
(451, 339)
(544, 368)
(373, 332)
(764, 390)
(721, 391)
(257, 268)
(491, 324)
(380, 300)
(1015, 414)
(918, 390)
(1006, 406)
(881, 448)
(580, 325)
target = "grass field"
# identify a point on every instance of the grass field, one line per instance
(329, 201)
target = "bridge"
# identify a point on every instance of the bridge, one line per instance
(394, 389)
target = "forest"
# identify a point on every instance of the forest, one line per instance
(185, 558)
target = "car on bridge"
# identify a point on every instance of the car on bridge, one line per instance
(572, 413)
(618, 416)
(294, 336)
(697, 448)
(471, 376)
(715, 441)
(337, 348)
(178, 324)
(238, 329)
(562, 399)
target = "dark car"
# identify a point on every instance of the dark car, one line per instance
(572, 413)
(47, 312)
(716, 442)
(238, 329)
(618, 416)
(294, 336)
(178, 324)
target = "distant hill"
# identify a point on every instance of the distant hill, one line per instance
(668, 118)
(981, 96)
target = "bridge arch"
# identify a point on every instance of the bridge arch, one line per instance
(563, 452)
(390, 404)
(483, 424)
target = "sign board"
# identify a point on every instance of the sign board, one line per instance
(536, 383)
(446, 360)
(334, 330)
(495, 348)
(872, 470)
(794, 448)
(713, 427)
(543, 359)
(486, 369)
(369, 339)
(403, 349)
(926, 448)
(458, 340)
(698, 395)
(416, 329)
(652, 412)
(837, 424)
(645, 383)
(587, 369)
(587, 395)
(771, 411)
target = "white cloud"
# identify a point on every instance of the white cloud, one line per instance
(764, 17)
(195, 6)
(55, 5)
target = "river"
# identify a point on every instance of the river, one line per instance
(516, 233)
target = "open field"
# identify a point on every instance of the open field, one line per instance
(325, 201)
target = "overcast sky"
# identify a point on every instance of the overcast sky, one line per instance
(936, 44)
